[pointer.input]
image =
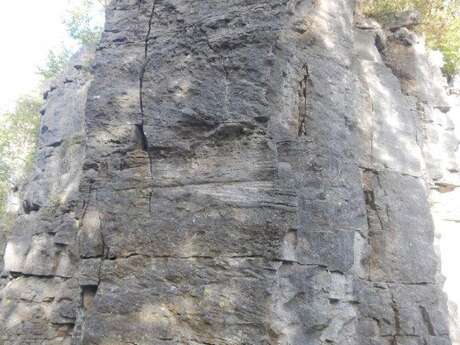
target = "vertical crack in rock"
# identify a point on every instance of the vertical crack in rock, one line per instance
(369, 197)
(377, 222)
(86, 202)
(140, 127)
(305, 102)
(145, 62)
(150, 202)
(240, 250)
(142, 139)
(87, 295)
(105, 247)
(427, 320)
(88, 291)
(379, 42)
(397, 322)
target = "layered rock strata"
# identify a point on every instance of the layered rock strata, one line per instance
(241, 172)
(39, 299)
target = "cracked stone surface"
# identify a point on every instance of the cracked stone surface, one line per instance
(241, 172)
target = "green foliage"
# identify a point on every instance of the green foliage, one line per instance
(18, 141)
(440, 24)
(19, 128)
(84, 25)
(81, 24)
(55, 63)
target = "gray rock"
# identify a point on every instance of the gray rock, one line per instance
(406, 19)
(41, 296)
(241, 172)
(405, 36)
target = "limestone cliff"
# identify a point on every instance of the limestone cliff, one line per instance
(239, 172)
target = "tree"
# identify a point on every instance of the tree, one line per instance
(18, 141)
(19, 128)
(84, 24)
(82, 21)
(440, 24)
(55, 63)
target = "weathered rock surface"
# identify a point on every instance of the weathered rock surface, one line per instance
(241, 172)
(40, 299)
(443, 150)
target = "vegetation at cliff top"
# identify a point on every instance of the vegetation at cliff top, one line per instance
(440, 24)
(19, 128)
(83, 21)
(18, 140)
(84, 24)
(55, 63)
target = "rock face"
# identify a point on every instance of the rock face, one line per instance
(39, 300)
(241, 172)
(443, 133)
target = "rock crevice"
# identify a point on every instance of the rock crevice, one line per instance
(241, 172)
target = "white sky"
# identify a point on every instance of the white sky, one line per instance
(28, 30)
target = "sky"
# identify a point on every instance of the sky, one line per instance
(28, 30)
